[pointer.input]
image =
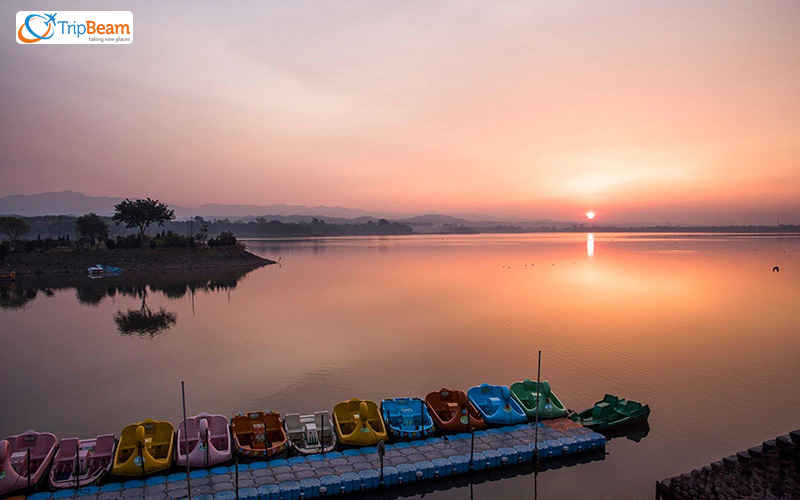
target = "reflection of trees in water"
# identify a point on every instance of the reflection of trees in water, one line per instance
(12, 298)
(143, 321)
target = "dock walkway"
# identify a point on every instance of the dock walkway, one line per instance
(352, 470)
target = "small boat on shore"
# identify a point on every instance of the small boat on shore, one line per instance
(144, 448)
(207, 441)
(99, 270)
(612, 413)
(259, 434)
(310, 434)
(406, 418)
(529, 395)
(82, 462)
(24, 459)
(496, 405)
(452, 411)
(358, 423)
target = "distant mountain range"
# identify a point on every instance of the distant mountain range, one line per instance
(72, 203)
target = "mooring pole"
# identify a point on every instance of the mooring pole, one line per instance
(381, 453)
(538, 400)
(186, 443)
(322, 433)
(471, 446)
(141, 457)
(78, 467)
(28, 465)
(236, 470)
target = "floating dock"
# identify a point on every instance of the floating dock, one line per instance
(770, 471)
(354, 470)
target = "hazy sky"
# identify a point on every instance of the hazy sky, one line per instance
(679, 111)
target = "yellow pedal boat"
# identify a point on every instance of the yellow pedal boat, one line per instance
(144, 448)
(358, 423)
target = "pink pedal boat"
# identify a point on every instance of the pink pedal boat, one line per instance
(24, 459)
(93, 458)
(209, 441)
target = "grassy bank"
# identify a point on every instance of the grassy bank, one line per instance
(139, 260)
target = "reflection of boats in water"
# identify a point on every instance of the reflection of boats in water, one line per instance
(634, 432)
(101, 271)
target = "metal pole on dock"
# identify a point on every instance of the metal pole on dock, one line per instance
(186, 443)
(471, 446)
(78, 467)
(381, 453)
(236, 472)
(141, 457)
(538, 400)
(28, 466)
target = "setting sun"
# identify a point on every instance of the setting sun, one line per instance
(590, 215)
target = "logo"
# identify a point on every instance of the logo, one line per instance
(49, 21)
(74, 27)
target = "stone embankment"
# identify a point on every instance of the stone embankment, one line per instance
(769, 471)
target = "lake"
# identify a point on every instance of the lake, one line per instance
(698, 326)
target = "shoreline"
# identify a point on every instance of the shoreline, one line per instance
(138, 261)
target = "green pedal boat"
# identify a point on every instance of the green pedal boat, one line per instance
(527, 394)
(612, 412)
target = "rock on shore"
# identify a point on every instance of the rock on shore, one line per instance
(770, 471)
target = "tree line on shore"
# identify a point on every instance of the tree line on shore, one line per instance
(128, 227)
(92, 231)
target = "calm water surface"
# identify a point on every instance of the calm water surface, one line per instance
(698, 326)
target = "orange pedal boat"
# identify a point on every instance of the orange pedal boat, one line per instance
(452, 411)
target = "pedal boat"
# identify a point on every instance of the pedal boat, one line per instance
(144, 448)
(207, 441)
(259, 435)
(310, 434)
(358, 423)
(83, 462)
(612, 413)
(496, 405)
(529, 395)
(406, 418)
(24, 459)
(452, 411)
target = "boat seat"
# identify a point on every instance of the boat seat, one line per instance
(67, 449)
(494, 402)
(602, 410)
(65, 457)
(42, 448)
(191, 428)
(323, 417)
(293, 425)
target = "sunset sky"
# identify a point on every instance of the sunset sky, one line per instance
(678, 111)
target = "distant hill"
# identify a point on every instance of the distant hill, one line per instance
(434, 219)
(60, 203)
(72, 203)
(220, 210)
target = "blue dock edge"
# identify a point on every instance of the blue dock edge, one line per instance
(339, 473)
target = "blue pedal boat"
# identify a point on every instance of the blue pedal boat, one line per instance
(496, 404)
(407, 418)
